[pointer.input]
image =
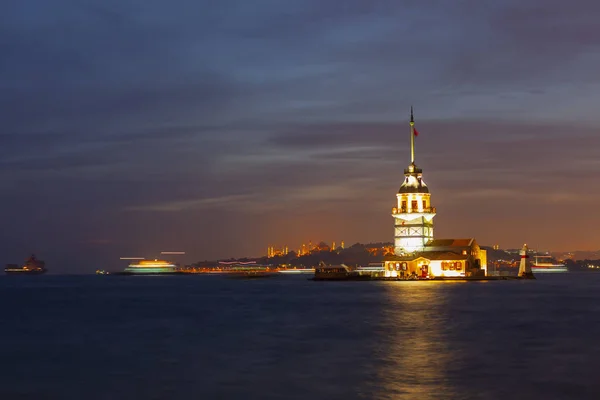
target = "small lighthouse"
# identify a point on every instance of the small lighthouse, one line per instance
(413, 213)
(525, 266)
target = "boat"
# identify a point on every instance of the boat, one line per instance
(102, 272)
(543, 264)
(32, 266)
(150, 267)
(296, 271)
(324, 272)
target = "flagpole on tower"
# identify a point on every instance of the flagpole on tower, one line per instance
(412, 136)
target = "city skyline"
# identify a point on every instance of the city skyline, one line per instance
(130, 128)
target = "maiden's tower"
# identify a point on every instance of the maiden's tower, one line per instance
(416, 252)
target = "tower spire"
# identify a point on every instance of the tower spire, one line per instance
(412, 136)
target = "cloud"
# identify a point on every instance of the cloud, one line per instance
(182, 205)
(236, 113)
(270, 199)
(487, 193)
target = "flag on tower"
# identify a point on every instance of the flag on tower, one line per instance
(416, 132)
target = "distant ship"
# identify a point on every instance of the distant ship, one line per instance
(545, 264)
(32, 266)
(297, 271)
(151, 267)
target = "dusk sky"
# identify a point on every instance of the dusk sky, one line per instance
(130, 127)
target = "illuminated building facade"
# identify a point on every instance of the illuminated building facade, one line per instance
(273, 252)
(380, 250)
(441, 258)
(305, 249)
(416, 252)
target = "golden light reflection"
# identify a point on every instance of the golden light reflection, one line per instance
(417, 357)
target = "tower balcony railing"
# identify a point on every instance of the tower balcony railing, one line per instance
(396, 210)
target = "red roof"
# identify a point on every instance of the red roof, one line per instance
(450, 243)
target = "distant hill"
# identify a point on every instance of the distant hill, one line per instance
(577, 255)
(362, 254)
(500, 255)
(357, 254)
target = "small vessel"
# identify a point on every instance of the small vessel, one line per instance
(150, 267)
(297, 271)
(101, 272)
(331, 272)
(32, 266)
(546, 264)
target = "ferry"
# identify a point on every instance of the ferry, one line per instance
(326, 272)
(246, 269)
(296, 271)
(545, 264)
(150, 267)
(32, 266)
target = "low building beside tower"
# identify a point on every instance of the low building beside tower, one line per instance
(416, 252)
(440, 258)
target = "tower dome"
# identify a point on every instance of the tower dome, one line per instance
(413, 181)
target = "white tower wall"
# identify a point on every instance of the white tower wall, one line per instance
(413, 222)
(525, 265)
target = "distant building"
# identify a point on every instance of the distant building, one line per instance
(321, 246)
(273, 252)
(415, 250)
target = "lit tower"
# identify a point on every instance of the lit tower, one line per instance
(413, 213)
(525, 266)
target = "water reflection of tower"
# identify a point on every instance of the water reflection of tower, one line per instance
(414, 336)
(413, 213)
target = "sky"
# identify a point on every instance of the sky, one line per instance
(218, 128)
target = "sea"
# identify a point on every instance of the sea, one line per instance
(213, 337)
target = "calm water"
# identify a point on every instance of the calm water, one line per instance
(208, 337)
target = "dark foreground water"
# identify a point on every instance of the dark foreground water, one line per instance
(208, 337)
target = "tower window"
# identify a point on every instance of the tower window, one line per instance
(414, 204)
(424, 204)
(403, 205)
